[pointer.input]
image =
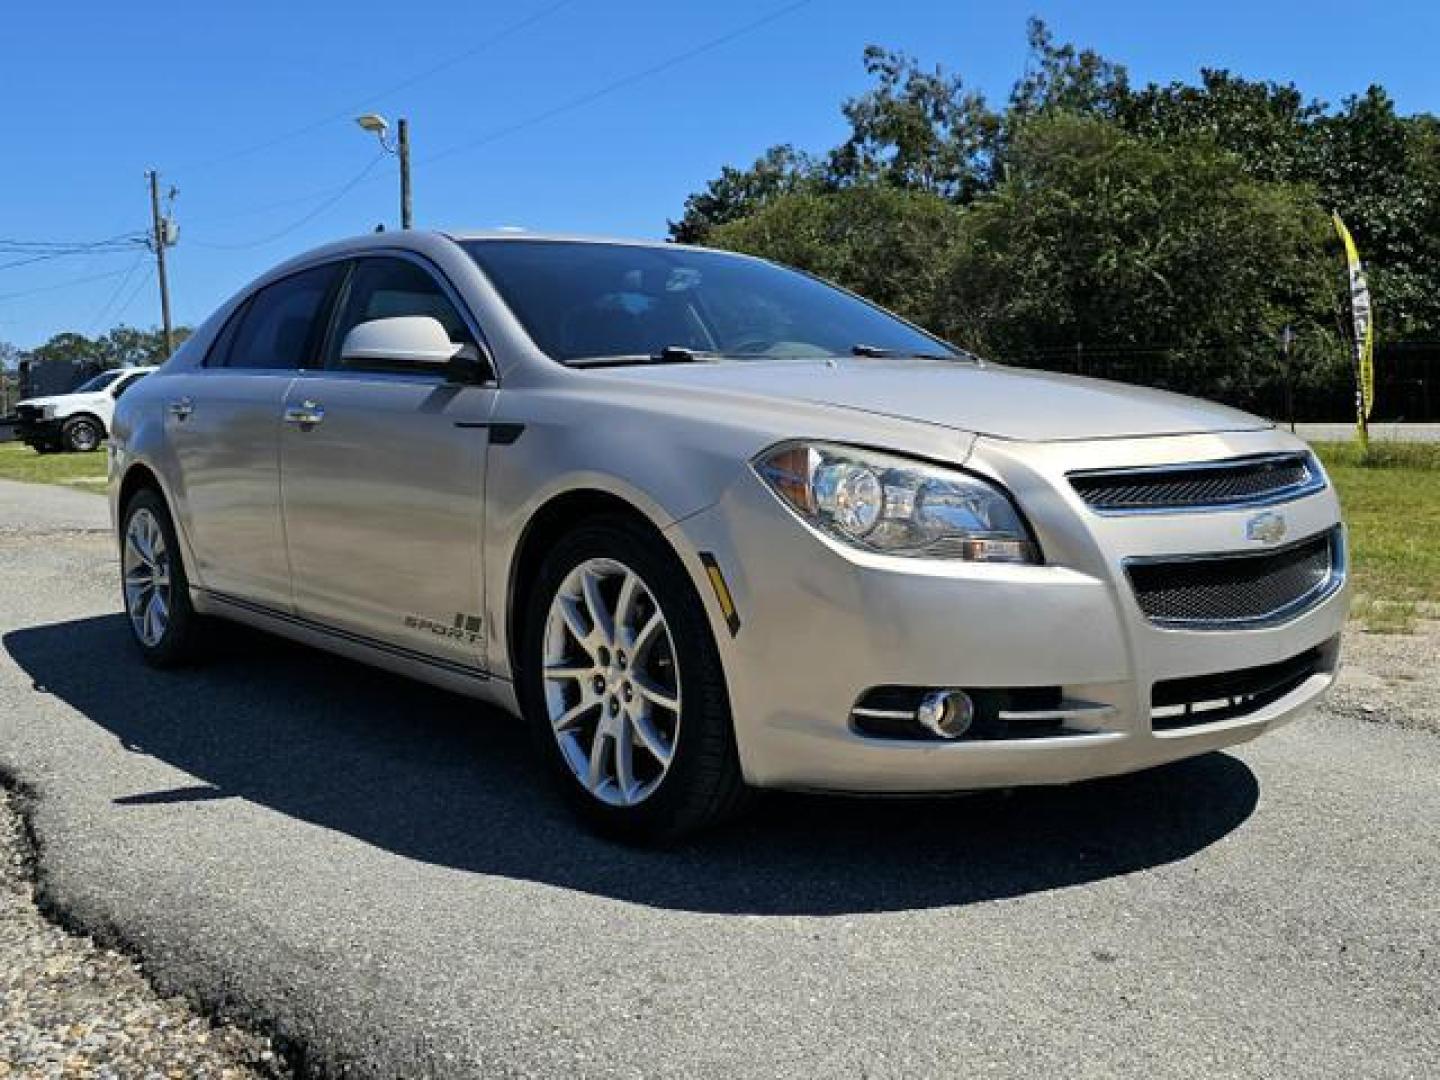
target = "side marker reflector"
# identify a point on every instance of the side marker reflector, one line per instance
(722, 592)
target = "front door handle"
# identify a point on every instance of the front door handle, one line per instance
(307, 413)
(182, 409)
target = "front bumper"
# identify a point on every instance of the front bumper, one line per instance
(36, 430)
(821, 624)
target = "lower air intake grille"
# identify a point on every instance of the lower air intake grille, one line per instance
(1236, 590)
(1209, 699)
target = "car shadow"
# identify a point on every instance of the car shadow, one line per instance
(436, 777)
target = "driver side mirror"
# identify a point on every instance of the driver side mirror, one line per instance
(409, 340)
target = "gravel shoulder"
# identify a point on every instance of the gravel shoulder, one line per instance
(1392, 678)
(69, 1007)
(371, 871)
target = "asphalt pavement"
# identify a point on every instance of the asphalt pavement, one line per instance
(373, 871)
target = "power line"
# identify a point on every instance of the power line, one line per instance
(404, 84)
(62, 285)
(134, 294)
(619, 84)
(335, 198)
(570, 105)
(11, 244)
(43, 251)
(124, 281)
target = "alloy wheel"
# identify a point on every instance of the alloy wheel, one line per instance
(612, 685)
(146, 566)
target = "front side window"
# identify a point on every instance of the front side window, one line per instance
(583, 301)
(278, 328)
(388, 288)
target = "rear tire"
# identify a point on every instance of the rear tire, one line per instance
(154, 586)
(640, 688)
(82, 434)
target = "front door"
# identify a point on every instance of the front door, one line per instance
(223, 424)
(383, 478)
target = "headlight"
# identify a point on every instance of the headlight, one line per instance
(47, 412)
(878, 502)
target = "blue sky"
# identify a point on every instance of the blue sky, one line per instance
(245, 109)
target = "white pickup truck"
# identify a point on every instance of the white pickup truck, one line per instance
(79, 420)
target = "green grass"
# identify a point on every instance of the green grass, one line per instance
(83, 471)
(1391, 500)
(1391, 497)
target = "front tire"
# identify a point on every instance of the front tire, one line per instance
(622, 686)
(82, 434)
(154, 586)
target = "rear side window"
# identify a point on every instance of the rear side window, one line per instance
(278, 329)
(386, 288)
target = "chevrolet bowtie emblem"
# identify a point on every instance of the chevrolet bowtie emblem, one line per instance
(1266, 528)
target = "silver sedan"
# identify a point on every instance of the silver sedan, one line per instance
(711, 525)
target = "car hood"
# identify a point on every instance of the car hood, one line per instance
(996, 400)
(52, 399)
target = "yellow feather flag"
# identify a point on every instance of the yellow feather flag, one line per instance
(1360, 314)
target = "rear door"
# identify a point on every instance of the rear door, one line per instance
(223, 423)
(383, 474)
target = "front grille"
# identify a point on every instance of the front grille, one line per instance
(1209, 699)
(1236, 590)
(1247, 481)
(28, 413)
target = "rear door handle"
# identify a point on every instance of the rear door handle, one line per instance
(182, 409)
(306, 413)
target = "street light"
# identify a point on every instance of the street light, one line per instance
(374, 122)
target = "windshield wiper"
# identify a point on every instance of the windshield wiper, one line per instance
(670, 354)
(875, 352)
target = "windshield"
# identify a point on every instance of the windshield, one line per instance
(99, 382)
(582, 301)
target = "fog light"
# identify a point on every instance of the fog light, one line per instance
(947, 713)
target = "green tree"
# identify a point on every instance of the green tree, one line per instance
(124, 345)
(67, 345)
(735, 192)
(1102, 239)
(1063, 78)
(885, 243)
(918, 130)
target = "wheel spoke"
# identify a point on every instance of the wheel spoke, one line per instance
(595, 606)
(645, 638)
(132, 541)
(629, 588)
(623, 747)
(570, 669)
(574, 621)
(656, 694)
(147, 622)
(651, 739)
(566, 720)
(596, 776)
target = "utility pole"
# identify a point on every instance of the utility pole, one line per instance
(159, 238)
(404, 153)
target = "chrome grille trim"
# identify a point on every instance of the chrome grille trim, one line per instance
(1238, 590)
(1256, 480)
